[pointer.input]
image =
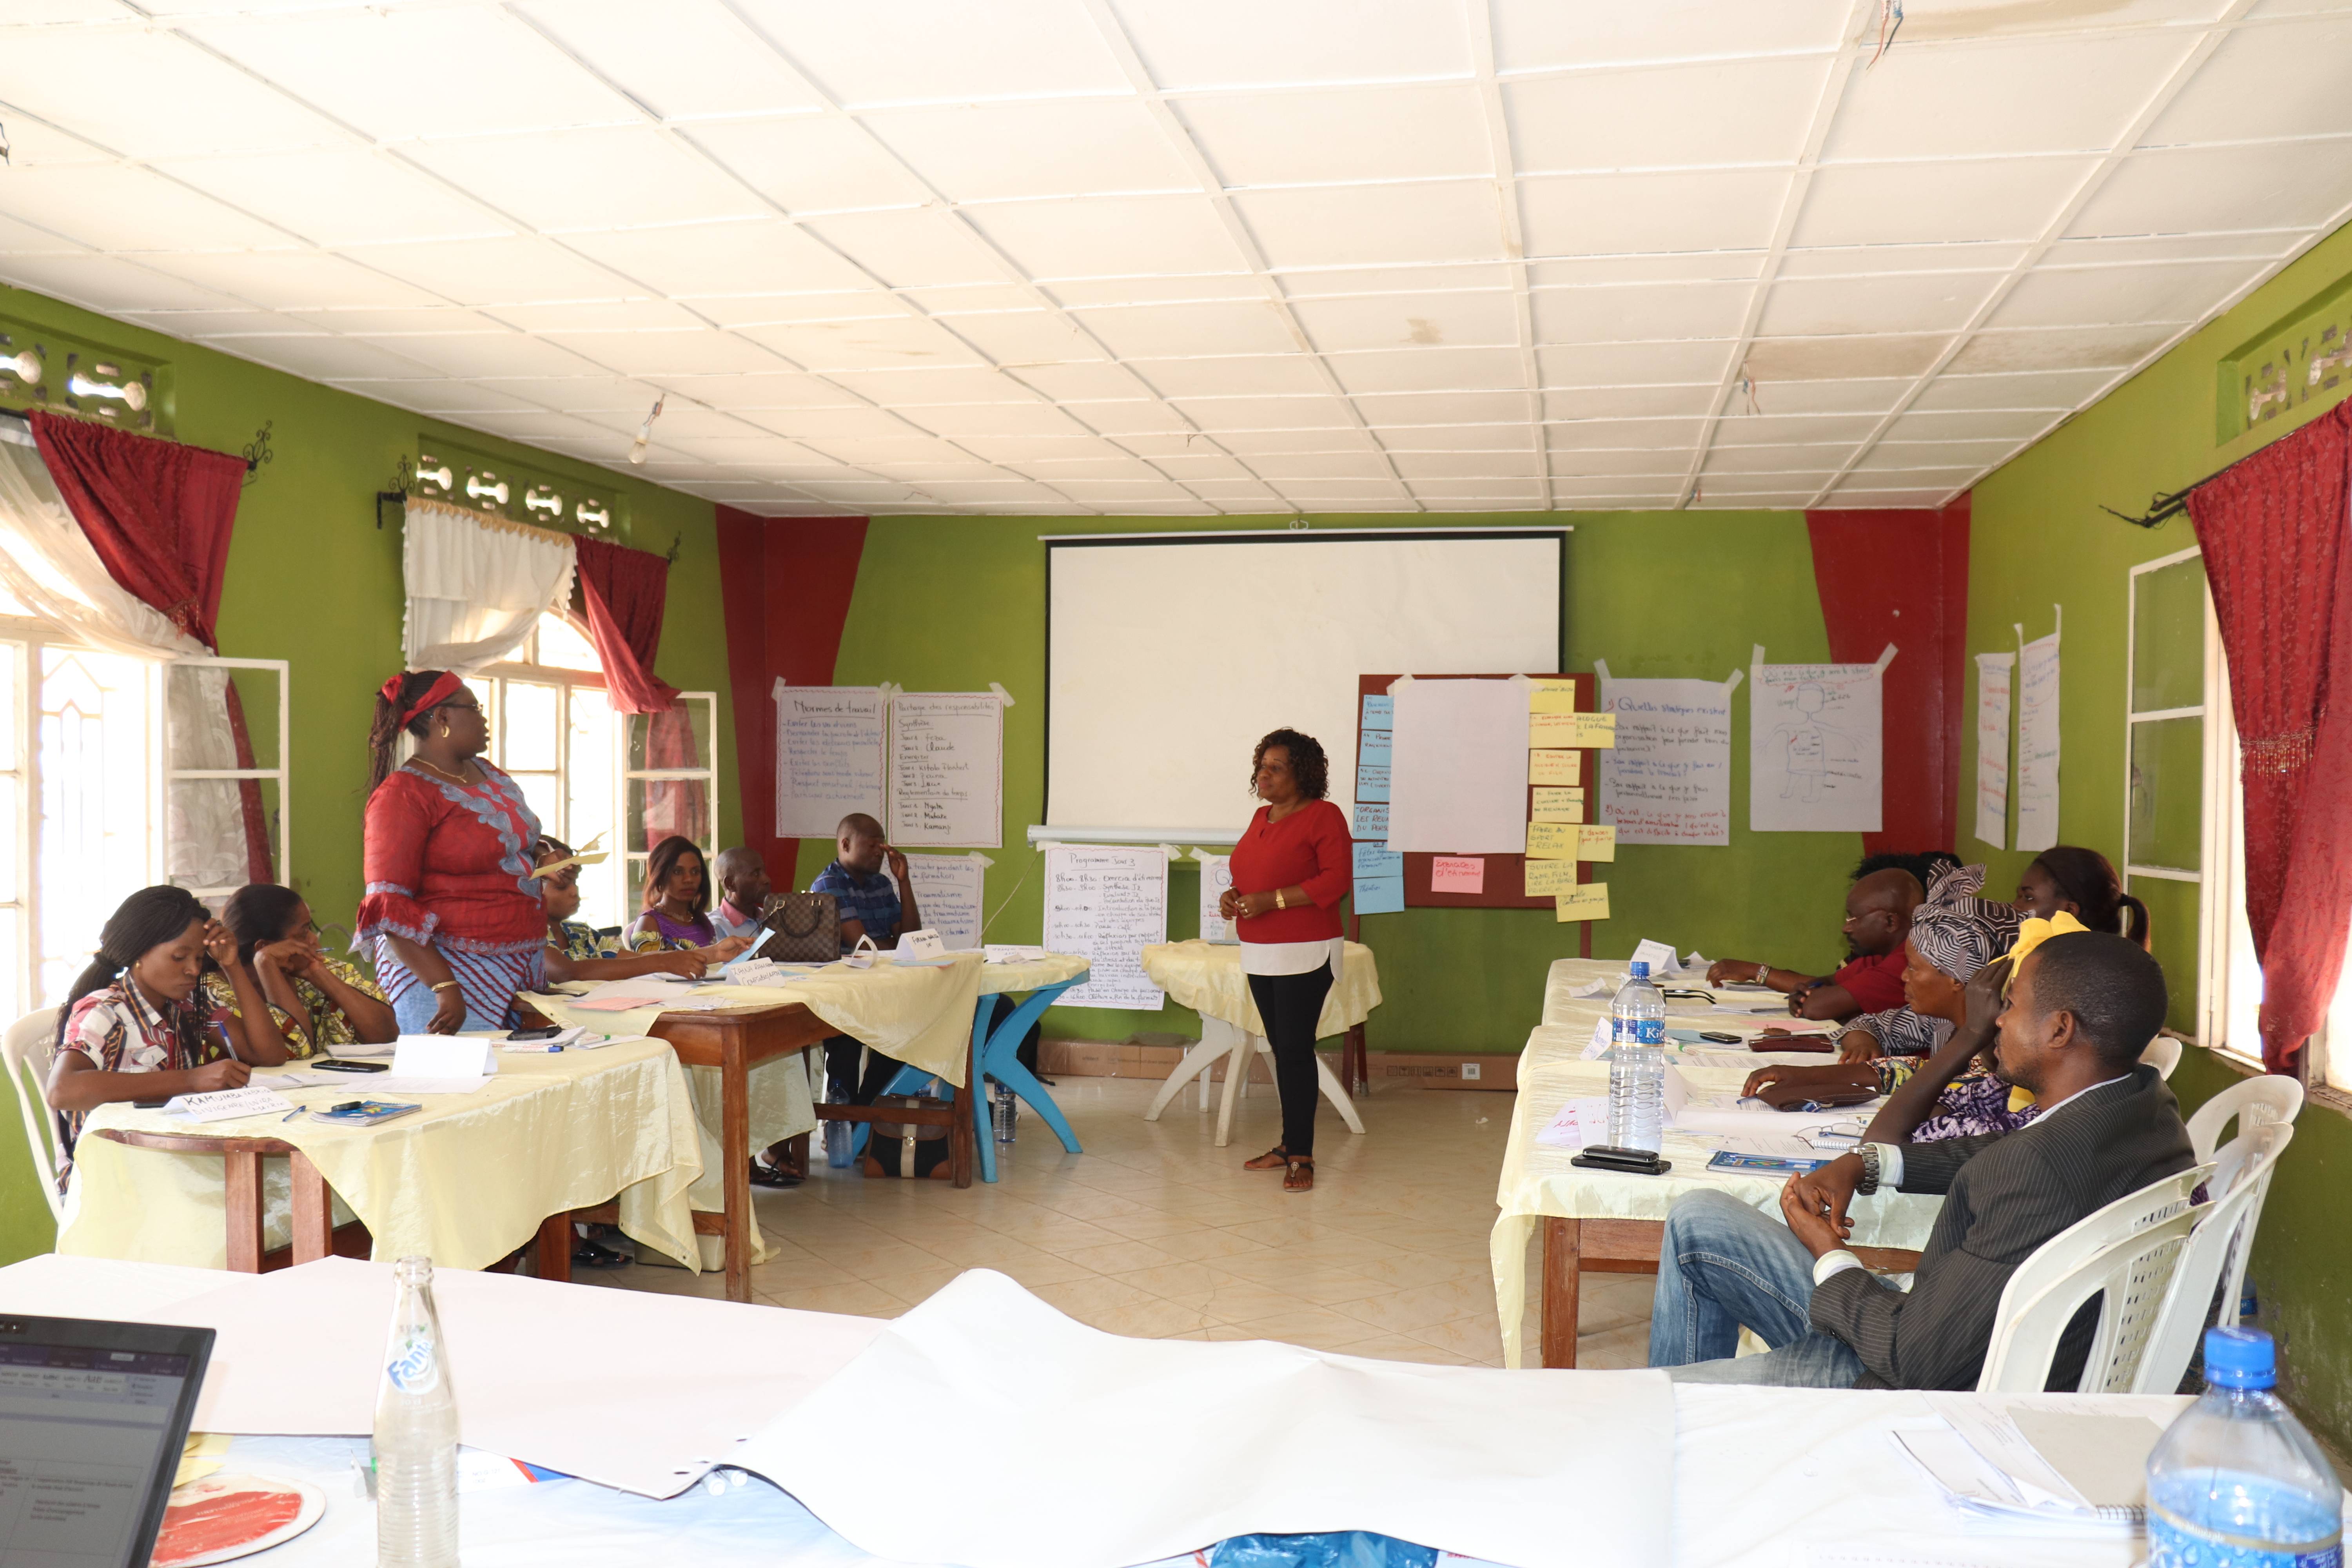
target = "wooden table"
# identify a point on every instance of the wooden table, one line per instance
(315, 1236)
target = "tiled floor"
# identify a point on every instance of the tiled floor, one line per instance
(1156, 1232)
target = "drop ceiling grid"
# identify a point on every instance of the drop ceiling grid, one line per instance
(1192, 256)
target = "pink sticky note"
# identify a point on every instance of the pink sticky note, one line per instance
(1458, 874)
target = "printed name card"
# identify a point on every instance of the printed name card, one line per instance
(1552, 840)
(1555, 767)
(1559, 806)
(445, 1056)
(1546, 879)
(228, 1104)
(1458, 874)
(1587, 902)
(1594, 843)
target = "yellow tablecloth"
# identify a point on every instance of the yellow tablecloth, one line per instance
(464, 1182)
(1207, 978)
(1568, 974)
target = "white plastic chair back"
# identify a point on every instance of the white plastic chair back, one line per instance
(2163, 1053)
(2126, 1254)
(26, 1048)
(2267, 1097)
(2216, 1256)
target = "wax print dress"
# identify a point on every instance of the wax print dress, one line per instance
(448, 865)
(325, 1025)
(119, 1031)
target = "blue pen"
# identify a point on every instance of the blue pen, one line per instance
(290, 1116)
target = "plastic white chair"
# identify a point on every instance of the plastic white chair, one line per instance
(2267, 1097)
(2126, 1254)
(2216, 1256)
(2163, 1053)
(26, 1048)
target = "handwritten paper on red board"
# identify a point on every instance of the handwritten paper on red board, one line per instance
(1458, 874)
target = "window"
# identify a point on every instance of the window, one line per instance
(2172, 679)
(582, 766)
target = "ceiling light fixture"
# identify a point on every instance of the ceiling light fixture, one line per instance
(25, 367)
(646, 430)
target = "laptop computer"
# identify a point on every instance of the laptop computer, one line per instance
(94, 1418)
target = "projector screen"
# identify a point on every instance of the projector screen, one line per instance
(1167, 656)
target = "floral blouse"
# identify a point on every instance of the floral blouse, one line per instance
(119, 1031)
(1974, 1102)
(326, 1024)
(576, 939)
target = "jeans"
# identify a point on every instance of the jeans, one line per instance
(1722, 1264)
(1291, 1006)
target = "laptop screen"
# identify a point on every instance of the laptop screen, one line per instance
(82, 1434)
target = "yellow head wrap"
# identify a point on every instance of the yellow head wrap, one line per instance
(2032, 934)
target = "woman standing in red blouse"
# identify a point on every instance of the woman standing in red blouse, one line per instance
(453, 903)
(1291, 868)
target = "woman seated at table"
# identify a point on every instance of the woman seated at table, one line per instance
(576, 951)
(677, 904)
(135, 1026)
(315, 1003)
(2083, 883)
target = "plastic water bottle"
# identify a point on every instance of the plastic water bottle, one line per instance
(839, 1137)
(415, 1434)
(1637, 1063)
(1005, 1113)
(2236, 1483)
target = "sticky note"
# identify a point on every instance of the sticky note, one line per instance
(1380, 879)
(1588, 902)
(1543, 768)
(1380, 712)
(1596, 729)
(1547, 877)
(1373, 819)
(1551, 841)
(1372, 782)
(1552, 697)
(1458, 874)
(1373, 750)
(1558, 805)
(1594, 843)
(1552, 730)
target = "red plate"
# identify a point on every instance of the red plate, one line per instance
(220, 1517)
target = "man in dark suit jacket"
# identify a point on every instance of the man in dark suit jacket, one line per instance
(2081, 1008)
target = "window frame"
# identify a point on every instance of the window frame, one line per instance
(159, 728)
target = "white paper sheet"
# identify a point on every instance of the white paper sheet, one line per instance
(946, 770)
(2037, 744)
(1668, 779)
(947, 890)
(1815, 764)
(1159, 1446)
(1459, 772)
(1659, 955)
(1993, 673)
(829, 748)
(1216, 876)
(443, 1057)
(1107, 905)
(1580, 1124)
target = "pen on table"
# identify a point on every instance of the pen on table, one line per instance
(291, 1115)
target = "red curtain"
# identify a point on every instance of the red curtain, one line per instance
(159, 515)
(625, 592)
(2273, 529)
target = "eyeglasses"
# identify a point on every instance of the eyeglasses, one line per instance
(470, 706)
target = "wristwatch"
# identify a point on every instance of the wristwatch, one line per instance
(1763, 974)
(1869, 1182)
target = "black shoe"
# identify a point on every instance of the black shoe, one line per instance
(766, 1175)
(586, 1253)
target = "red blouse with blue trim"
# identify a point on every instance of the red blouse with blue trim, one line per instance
(449, 864)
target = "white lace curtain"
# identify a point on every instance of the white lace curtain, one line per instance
(477, 585)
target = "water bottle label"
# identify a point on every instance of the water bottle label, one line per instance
(1643, 1031)
(415, 1368)
(2173, 1542)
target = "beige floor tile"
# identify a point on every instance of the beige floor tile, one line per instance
(1148, 1225)
(1420, 1306)
(1117, 1256)
(1615, 1348)
(858, 1297)
(1087, 1300)
(1477, 1337)
(918, 1286)
(1209, 1245)
(1403, 1270)
(1299, 1324)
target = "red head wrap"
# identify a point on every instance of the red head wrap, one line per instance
(437, 693)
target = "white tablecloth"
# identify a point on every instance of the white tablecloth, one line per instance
(1207, 978)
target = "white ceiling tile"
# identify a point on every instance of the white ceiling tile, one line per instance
(1053, 147)
(1820, 459)
(1457, 438)
(767, 309)
(1234, 285)
(911, 248)
(1083, 382)
(437, 396)
(1629, 401)
(766, 256)
(1608, 488)
(1227, 413)
(1538, 35)
(2117, 296)
(1162, 446)
(694, 352)
(1877, 260)
(477, 355)
(23, 238)
(816, 425)
(1633, 364)
(1964, 425)
(1429, 370)
(1349, 282)
(114, 206)
(1025, 338)
(1241, 327)
(1880, 204)
(580, 394)
(535, 425)
(145, 94)
(1825, 396)
(1760, 429)
(1234, 490)
(1194, 467)
(1898, 302)
(196, 326)
(32, 143)
(1600, 214)
(960, 420)
(808, 163)
(1860, 356)
(1316, 491)
(1395, 321)
(322, 357)
(1396, 410)
(1402, 131)
(1654, 463)
(2295, 73)
(2058, 348)
(1635, 313)
(1416, 466)
(2185, 190)
(583, 316)
(1620, 435)
(699, 62)
(746, 394)
(2119, 250)
(682, 426)
(1700, 266)
(605, 176)
(1005, 493)
(1120, 469)
(418, 71)
(1742, 111)
(1032, 449)
(1893, 454)
(2042, 95)
(291, 280)
(338, 196)
(1870, 495)
(1270, 376)
(928, 51)
(1954, 20)
(2043, 390)
(1109, 237)
(1432, 221)
(1251, 445)
(1235, 43)
(494, 271)
(1448, 494)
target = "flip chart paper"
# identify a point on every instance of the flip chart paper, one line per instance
(1993, 673)
(1458, 874)
(1551, 697)
(1669, 779)
(1593, 843)
(946, 769)
(1555, 804)
(2037, 744)
(1109, 905)
(1814, 760)
(1555, 767)
(1547, 877)
(1380, 879)
(1454, 786)
(1216, 876)
(1587, 902)
(829, 747)
(1551, 841)
(948, 894)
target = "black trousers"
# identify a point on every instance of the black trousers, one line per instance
(843, 1086)
(1291, 1004)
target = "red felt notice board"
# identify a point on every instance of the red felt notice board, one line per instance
(1506, 874)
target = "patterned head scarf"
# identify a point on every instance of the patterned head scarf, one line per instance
(1958, 931)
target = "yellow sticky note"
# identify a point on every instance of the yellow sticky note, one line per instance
(1547, 877)
(1552, 697)
(1551, 841)
(1552, 729)
(1596, 843)
(1596, 729)
(1557, 809)
(1588, 902)
(1555, 767)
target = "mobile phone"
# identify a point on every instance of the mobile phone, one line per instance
(1720, 1039)
(544, 1032)
(331, 1064)
(1632, 1162)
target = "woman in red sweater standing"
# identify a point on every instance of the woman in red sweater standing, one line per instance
(1291, 868)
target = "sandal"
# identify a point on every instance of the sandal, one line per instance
(1272, 1159)
(766, 1175)
(1300, 1175)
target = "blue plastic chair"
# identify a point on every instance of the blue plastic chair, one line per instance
(999, 1054)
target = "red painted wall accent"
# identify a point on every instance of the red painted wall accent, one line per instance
(784, 585)
(1903, 577)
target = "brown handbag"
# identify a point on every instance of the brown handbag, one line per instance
(906, 1148)
(802, 928)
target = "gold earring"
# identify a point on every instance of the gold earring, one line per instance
(444, 727)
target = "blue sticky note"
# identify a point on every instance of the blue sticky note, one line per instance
(1374, 751)
(1371, 819)
(1380, 712)
(1373, 858)
(1380, 896)
(1372, 782)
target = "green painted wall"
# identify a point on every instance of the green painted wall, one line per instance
(311, 581)
(2038, 536)
(952, 604)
